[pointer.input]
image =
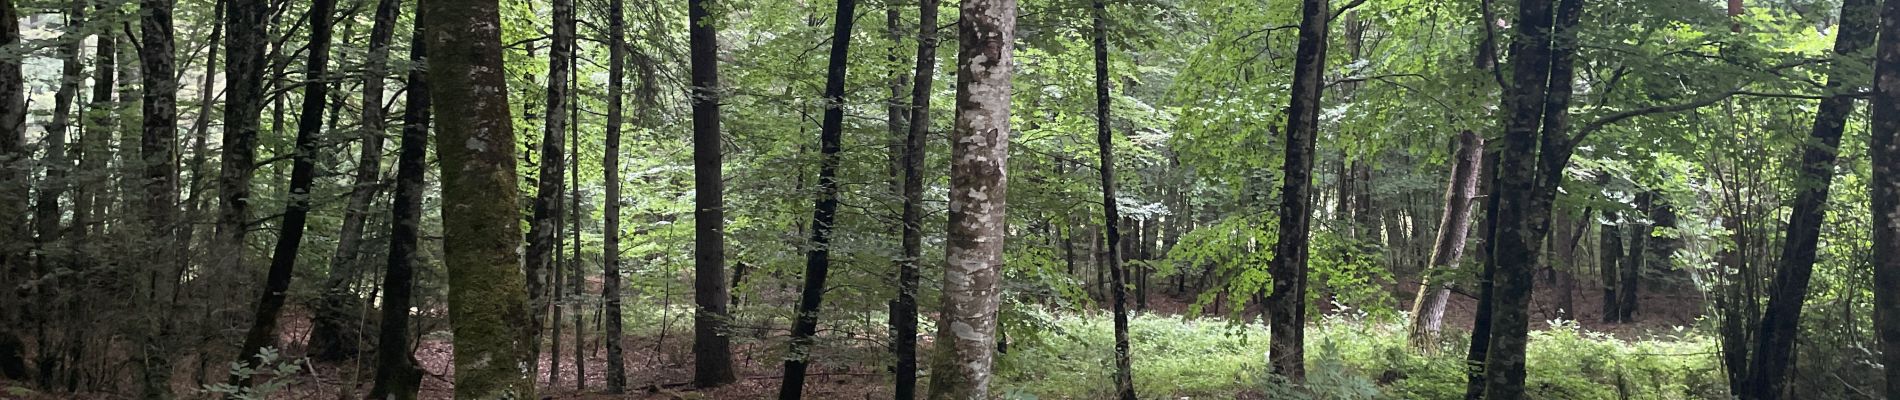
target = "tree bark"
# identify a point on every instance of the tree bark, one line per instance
(1286, 305)
(544, 226)
(1884, 147)
(1428, 310)
(91, 196)
(334, 334)
(487, 298)
(1610, 254)
(825, 211)
(303, 173)
(1630, 283)
(712, 350)
(904, 309)
(979, 156)
(14, 191)
(1111, 213)
(610, 247)
(398, 377)
(158, 159)
(245, 27)
(1775, 339)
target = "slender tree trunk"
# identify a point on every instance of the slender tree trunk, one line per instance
(334, 334)
(1111, 213)
(547, 200)
(1884, 147)
(90, 200)
(46, 209)
(157, 144)
(1734, 333)
(579, 277)
(1610, 254)
(1775, 339)
(487, 298)
(610, 248)
(1428, 310)
(303, 173)
(825, 211)
(712, 350)
(397, 375)
(1634, 262)
(904, 309)
(1286, 305)
(13, 194)
(244, 47)
(979, 154)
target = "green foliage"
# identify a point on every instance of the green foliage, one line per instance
(278, 372)
(1349, 356)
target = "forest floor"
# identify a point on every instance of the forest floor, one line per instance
(660, 366)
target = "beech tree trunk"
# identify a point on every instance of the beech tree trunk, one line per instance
(544, 226)
(825, 211)
(91, 196)
(244, 64)
(610, 247)
(1428, 310)
(904, 309)
(1775, 339)
(1609, 255)
(979, 157)
(1884, 147)
(1286, 305)
(1111, 215)
(14, 191)
(712, 350)
(334, 333)
(481, 232)
(398, 377)
(1630, 282)
(303, 173)
(158, 160)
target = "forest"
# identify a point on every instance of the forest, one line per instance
(965, 199)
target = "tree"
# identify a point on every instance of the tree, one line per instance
(1884, 147)
(712, 350)
(544, 226)
(1428, 311)
(1105, 140)
(398, 377)
(303, 173)
(333, 331)
(244, 65)
(610, 248)
(487, 298)
(904, 309)
(157, 139)
(13, 191)
(1286, 305)
(825, 209)
(1780, 323)
(1610, 253)
(979, 155)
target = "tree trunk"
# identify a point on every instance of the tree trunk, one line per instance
(158, 139)
(825, 211)
(712, 350)
(244, 65)
(579, 278)
(1775, 340)
(1636, 260)
(487, 298)
(904, 310)
(979, 154)
(1610, 254)
(334, 334)
(610, 245)
(1111, 213)
(1428, 310)
(397, 375)
(1884, 148)
(1286, 305)
(90, 200)
(303, 173)
(538, 262)
(14, 191)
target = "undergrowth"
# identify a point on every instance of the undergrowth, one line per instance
(1348, 358)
